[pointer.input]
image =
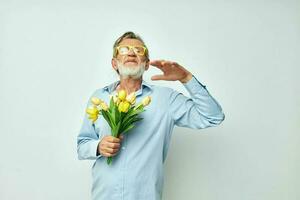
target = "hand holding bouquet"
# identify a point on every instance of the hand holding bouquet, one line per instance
(121, 114)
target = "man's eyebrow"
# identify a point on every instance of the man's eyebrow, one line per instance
(138, 45)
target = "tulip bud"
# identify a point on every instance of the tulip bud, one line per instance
(92, 110)
(93, 117)
(104, 106)
(116, 100)
(133, 102)
(122, 95)
(146, 101)
(124, 106)
(96, 101)
(131, 98)
(120, 107)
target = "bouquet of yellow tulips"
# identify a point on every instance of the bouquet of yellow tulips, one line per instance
(121, 114)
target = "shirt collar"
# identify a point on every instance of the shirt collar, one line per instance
(112, 87)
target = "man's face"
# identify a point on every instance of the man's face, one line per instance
(130, 63)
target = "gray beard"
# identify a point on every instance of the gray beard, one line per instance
(131, 72)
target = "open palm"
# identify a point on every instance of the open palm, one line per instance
(172, 71)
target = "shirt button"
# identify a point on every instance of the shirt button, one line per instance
(123, 148)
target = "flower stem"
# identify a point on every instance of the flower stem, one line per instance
(109, 160)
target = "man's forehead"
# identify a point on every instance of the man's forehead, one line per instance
(130, 41)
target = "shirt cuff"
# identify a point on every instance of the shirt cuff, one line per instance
(94, 148)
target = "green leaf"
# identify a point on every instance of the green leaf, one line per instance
(117, 130)
(111, 104)
(130, 121)
(108, 118)
(128, 128)
(131, 114)
(113, 117)
(117, 114)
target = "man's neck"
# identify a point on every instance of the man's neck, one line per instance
(129, 85)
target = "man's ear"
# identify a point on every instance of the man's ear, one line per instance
(147, 65)
(114, 64)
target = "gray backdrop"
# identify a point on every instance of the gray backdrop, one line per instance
(54, 54)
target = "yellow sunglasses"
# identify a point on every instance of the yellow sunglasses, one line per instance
(124, 49)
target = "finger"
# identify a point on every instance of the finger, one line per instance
(113, 139)
(162, 62)
(157, 63)
(110, 153)
(174, 63)
(113, 145)
(121, 136)
(107, 154)
(114, 154)
(158, 77)
(166, 63)
(110, 150)
(102, 152)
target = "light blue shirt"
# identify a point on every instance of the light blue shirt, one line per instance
(136, 172)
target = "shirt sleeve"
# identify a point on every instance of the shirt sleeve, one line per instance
(88, 139)
(198, 111)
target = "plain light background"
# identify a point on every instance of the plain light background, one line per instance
(54, 54)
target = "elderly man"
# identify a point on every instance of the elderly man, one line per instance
(137, 169)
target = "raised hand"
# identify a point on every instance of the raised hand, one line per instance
(172, 71)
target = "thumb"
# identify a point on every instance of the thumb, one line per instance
(158, 77)
(121, 136)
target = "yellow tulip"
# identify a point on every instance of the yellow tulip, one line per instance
(122, 95)
(104, 106)
(146, 101)
(132, 103)
(96, 101)
(92, 110)
(120, 106)
(131, 98)
(124, 106)
(116, 100)
(93, 117)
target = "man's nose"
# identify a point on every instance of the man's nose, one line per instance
(131, 52)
